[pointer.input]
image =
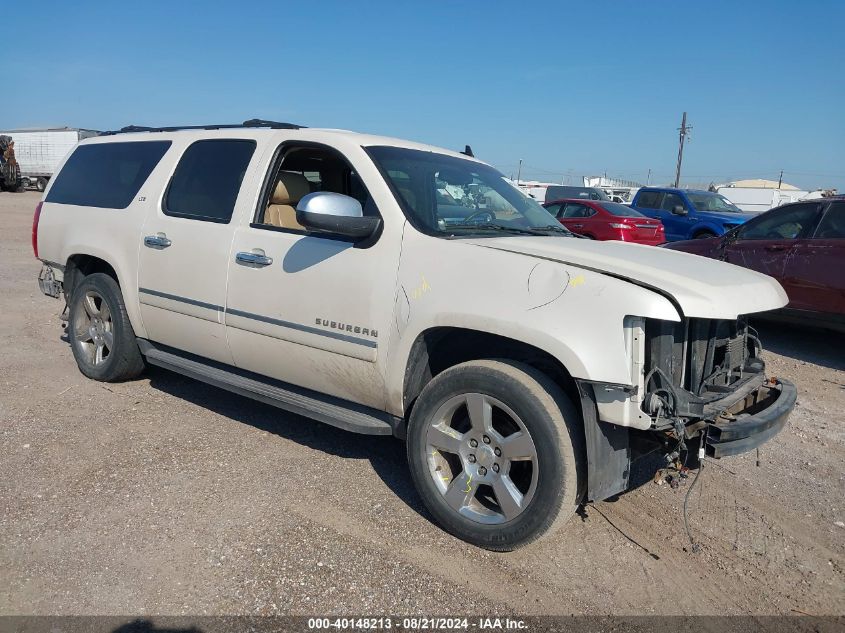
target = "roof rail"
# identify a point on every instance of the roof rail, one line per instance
(251, 123)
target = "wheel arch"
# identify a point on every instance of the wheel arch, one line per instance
(704, 227)
(84, 262)
(439, 348)
(80, 265)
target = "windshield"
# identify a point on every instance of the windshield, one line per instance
(620, 209)
(713, 202)
(449, 196)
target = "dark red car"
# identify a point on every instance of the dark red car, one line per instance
(802, 245)
(604, 220)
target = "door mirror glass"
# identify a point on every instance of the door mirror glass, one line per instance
(679, 209)
(328, 212)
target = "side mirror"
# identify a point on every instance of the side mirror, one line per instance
(679, 209)
(328, 212)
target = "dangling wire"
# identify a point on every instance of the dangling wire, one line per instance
(695, 546)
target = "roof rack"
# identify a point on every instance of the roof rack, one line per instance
(251, 123)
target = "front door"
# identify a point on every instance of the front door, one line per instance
(314, 311)
(184, 256)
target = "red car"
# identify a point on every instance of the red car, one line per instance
(603, 220)
(802, 245)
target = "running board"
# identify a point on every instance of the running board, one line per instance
(327, 409)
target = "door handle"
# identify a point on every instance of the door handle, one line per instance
(158, 241)
(255, 260)
(774, 247)
(577, 226)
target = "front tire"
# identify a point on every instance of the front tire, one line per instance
(101, 336)
(496, 452)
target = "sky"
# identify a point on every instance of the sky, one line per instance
(571, 89)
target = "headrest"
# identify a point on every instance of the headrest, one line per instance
(290, 189)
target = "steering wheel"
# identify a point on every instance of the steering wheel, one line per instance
(483, 213)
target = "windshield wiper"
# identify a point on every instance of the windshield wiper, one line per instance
(491, 226)
(553, 228)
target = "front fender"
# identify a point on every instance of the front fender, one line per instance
(449, 283)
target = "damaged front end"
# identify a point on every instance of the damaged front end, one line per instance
(707, 377)
(702, 391)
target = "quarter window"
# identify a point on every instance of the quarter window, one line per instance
(207, 180)
(106, 175)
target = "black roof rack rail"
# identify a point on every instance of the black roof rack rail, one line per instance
(254, 123)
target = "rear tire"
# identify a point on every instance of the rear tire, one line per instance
(496, 452)
(41, 184)
(101, 336)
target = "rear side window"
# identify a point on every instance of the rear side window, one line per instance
(106, 175)
(832, 226)
(207, 180)
(649, 200)
(784, 223)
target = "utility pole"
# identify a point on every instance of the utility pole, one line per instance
(648, 178)
(684, 130)
(519, 172)
(780, 180)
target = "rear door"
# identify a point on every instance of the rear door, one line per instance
(186, 240)
(577, 218)
(814, 276)
(765, 243)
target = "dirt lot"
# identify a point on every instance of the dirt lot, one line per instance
(167, 496)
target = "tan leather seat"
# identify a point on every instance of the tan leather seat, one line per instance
(281, 211)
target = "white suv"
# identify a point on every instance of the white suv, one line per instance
(388, 287)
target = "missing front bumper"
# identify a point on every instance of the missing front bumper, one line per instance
(752, 421)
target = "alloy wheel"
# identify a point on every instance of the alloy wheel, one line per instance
(94, 329)
(481, 458)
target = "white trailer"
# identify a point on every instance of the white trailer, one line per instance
(759, 199)
(39, 151)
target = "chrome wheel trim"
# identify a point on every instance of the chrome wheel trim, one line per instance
(485, 458)
(93, 329)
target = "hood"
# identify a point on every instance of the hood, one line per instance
(733, 218)
(703, 288)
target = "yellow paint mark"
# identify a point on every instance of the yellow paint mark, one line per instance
(469, 479)
(420, 290)
(576, 281)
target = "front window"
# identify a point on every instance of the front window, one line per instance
(454, 197)
(713, 202)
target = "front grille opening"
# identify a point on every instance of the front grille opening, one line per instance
(702, 356)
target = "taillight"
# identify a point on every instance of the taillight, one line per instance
(35, 219)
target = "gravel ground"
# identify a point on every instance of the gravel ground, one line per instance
(165, 496)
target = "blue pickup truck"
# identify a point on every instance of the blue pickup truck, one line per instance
(689, 213)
